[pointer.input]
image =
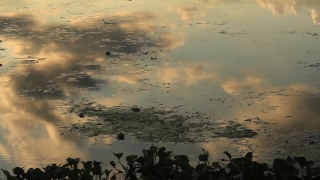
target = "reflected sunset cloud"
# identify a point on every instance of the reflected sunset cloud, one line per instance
(249, 83)
(189, 74)
(282, 7)
(187, 13)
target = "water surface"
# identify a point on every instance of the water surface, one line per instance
(238, 60)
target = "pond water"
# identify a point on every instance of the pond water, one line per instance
(213, 64)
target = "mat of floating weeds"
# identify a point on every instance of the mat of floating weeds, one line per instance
(149, 124)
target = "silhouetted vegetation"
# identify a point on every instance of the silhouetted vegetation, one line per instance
(160, 164)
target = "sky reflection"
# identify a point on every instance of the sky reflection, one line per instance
(227, 58)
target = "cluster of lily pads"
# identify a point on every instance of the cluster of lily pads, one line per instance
(160, 164)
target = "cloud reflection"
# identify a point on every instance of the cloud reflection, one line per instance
(68, 62)
(282, 7)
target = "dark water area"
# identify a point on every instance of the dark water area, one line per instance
(212, 62)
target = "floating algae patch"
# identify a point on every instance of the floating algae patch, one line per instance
(147, 125)
(235, 130)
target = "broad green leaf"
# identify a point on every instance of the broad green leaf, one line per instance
(119, 155)
(289, 160)
(231, 167)
(18, 171)
(96, 163)
(216, 165)
(153, 148)
(203, 157)
(182, 158)
(249, 156)
(279, 165)
(162, 149)
(96, 170)
(200, 167)
(87, 165)
(301, 161)
(72, 161)
(131, 159)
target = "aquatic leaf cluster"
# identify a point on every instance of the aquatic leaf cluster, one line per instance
(160, 164)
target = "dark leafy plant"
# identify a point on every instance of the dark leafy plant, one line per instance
(160, 164)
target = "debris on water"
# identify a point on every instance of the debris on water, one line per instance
(151, 125)
(135, 109)
(236, 130)
(120, 136)
(315, 65)
(109, 22)
(312, 34)
(108, 53)
(81, 115)
(223, 32)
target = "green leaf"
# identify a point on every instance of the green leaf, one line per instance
(149, 159)
(18, 171)
(162, 149)
(166, 162)
(113, 164)
(165, 155)
(186, 167)
(182, 158)
(120, 136)
(87, 165)
(131, 159)
(153, 148)
(72, 161)
(86, 177)
(249, 156)
(119, 155)
(231, 167)
(164, 172)
(96, 163)
(301, 161)
(228, 154)
(216, 165)
(279, 165)
(200, 167)
(96, 170)
(203, 157)
(140, 160)
(289, 160)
